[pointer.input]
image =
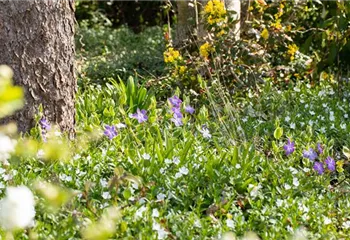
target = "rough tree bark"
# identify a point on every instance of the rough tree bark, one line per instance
(37, 42)
(186, 23)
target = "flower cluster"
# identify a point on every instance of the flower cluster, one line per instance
(216, 12)
(313, 155)
(292, 50)
(176, 102)
(171, 55)
(205, 50)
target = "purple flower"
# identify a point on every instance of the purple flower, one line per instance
(318, 166)
(110, 131)
(140, 115)
(310, 154)
(330, 164)
(177, 113)
(289, 147)
(177, 121)
(45, 125)
(175, 101)
(319, 148)
(189, 109)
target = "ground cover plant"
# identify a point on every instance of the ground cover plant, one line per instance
(192, 154)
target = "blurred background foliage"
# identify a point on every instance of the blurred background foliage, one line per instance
(284, 42)
(137, 15)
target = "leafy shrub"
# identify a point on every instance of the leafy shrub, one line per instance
(111, 53)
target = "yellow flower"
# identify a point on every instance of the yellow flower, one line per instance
(182, 69)
(340, 166)
(277, 24)
(292, 49)
(205, 50)
(215, 9)
(265, 34)
(171, 55)
(222, 32)
(209, 7)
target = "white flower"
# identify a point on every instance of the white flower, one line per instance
(167, 161)
(183, 170)
(287, 119)
(295, 182)
(162, 234)
(293, 170)
(343, 126)
(140, 211)
(279, 202)
(64, 177)
(238, 166)
(7, 146)
(311, 122)
(205, 132)
(254, 190)
(346, 225)
(287, 186)
(103, 182)
(7, 177)
(178, 175)
(146, 156)
(176, 160)
(322, 129)
(292, 125)
(120, 125)
(230, 223)
(17, 208)
(327, 221)
(106, 195)
(155, 213)
(197, 223)
(346, 115)
(161, 196)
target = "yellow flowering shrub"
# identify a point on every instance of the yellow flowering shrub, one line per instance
(215, 11)
(292, 49)
(171, 55)
(205, 50)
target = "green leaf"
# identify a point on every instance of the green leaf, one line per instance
(278, 133)
(346, 152)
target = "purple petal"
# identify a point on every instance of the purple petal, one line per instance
(330, 164)
(318, 166)
(189, 109)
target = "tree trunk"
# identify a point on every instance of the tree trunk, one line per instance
(186, 22)
(37, 42)
(233, 8)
